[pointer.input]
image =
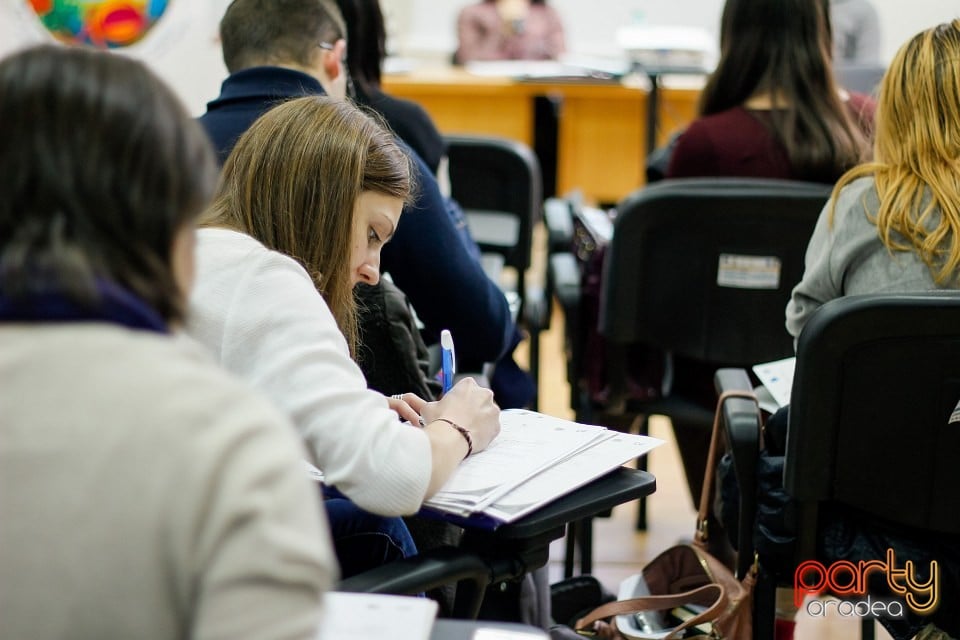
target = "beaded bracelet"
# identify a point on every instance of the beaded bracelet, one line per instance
(466, 434)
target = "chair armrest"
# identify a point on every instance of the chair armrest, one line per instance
(740, 420)
(409, 576)
(536, 310)
(564, 273)
(558, 220)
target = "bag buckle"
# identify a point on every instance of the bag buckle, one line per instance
(702, 530)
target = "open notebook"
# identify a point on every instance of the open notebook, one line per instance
(536, 459)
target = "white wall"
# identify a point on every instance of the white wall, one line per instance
(184, 50)
(182, 47)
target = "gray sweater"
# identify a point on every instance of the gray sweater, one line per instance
(145, 494)
(847, 258)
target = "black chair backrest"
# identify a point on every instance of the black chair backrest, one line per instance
(873, 420)
(704, 267)
(499, 185)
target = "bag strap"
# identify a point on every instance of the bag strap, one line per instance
(701, 534)
(658, 603)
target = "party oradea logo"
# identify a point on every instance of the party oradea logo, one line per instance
(914, 587)
(108, 24)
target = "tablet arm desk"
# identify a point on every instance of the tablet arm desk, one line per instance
(487, 557)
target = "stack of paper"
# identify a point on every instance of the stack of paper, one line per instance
(535, 459)
(368, 616)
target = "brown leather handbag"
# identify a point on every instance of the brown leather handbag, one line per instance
(686, 576)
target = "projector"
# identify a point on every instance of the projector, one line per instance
(666, 48)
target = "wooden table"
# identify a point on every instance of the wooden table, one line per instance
(602, 137)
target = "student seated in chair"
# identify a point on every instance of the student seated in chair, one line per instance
(281, 49)
(771, 109)
(144, 492)
(366, 48)
(893, 224)
(309, 196)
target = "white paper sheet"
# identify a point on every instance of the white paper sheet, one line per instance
(535, 459)
(369, 616)
(777, 377)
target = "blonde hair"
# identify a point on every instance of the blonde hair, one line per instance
(292, 182)
(916, 164)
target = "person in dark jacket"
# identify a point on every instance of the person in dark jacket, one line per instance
(271, 59)
(366, 50)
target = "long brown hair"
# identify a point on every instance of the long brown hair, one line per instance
(782, 49)
(916, 164)
(102, 166)
(292, 182)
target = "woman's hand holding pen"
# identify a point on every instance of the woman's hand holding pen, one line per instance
(471, 407)
(464, 421)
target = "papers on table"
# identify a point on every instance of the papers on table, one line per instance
(535, 459)
(777, 380)
(368, 616)
(543, 70)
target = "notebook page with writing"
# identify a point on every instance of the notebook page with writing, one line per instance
(528, 443)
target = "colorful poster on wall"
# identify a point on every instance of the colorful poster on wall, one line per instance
(107, 24)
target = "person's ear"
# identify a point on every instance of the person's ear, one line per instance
(334, 60)
(334, 69)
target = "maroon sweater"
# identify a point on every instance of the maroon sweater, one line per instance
(738, 143)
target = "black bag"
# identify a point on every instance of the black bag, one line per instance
(572, 598)
(684, 578)
(776, 518)
(645, 365)
(391, 352)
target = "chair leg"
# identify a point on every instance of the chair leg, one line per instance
(469, 598)
(535, 367)
(586, 546)
(579, 542)
(644, 430)
(570, 552)
(764, 606)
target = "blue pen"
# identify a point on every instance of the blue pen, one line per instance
(448, 360)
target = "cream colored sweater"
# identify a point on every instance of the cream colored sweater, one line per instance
(262, 319)
(146, 494)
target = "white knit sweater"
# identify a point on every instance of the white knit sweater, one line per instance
(259, 313)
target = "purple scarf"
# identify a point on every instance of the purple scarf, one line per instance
(114, 305)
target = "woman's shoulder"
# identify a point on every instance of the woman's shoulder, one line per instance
(545, 9)
(225, 249)
(721, 120)
(856, 189)
(735, 126)
(478, 10)
(856, 198)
